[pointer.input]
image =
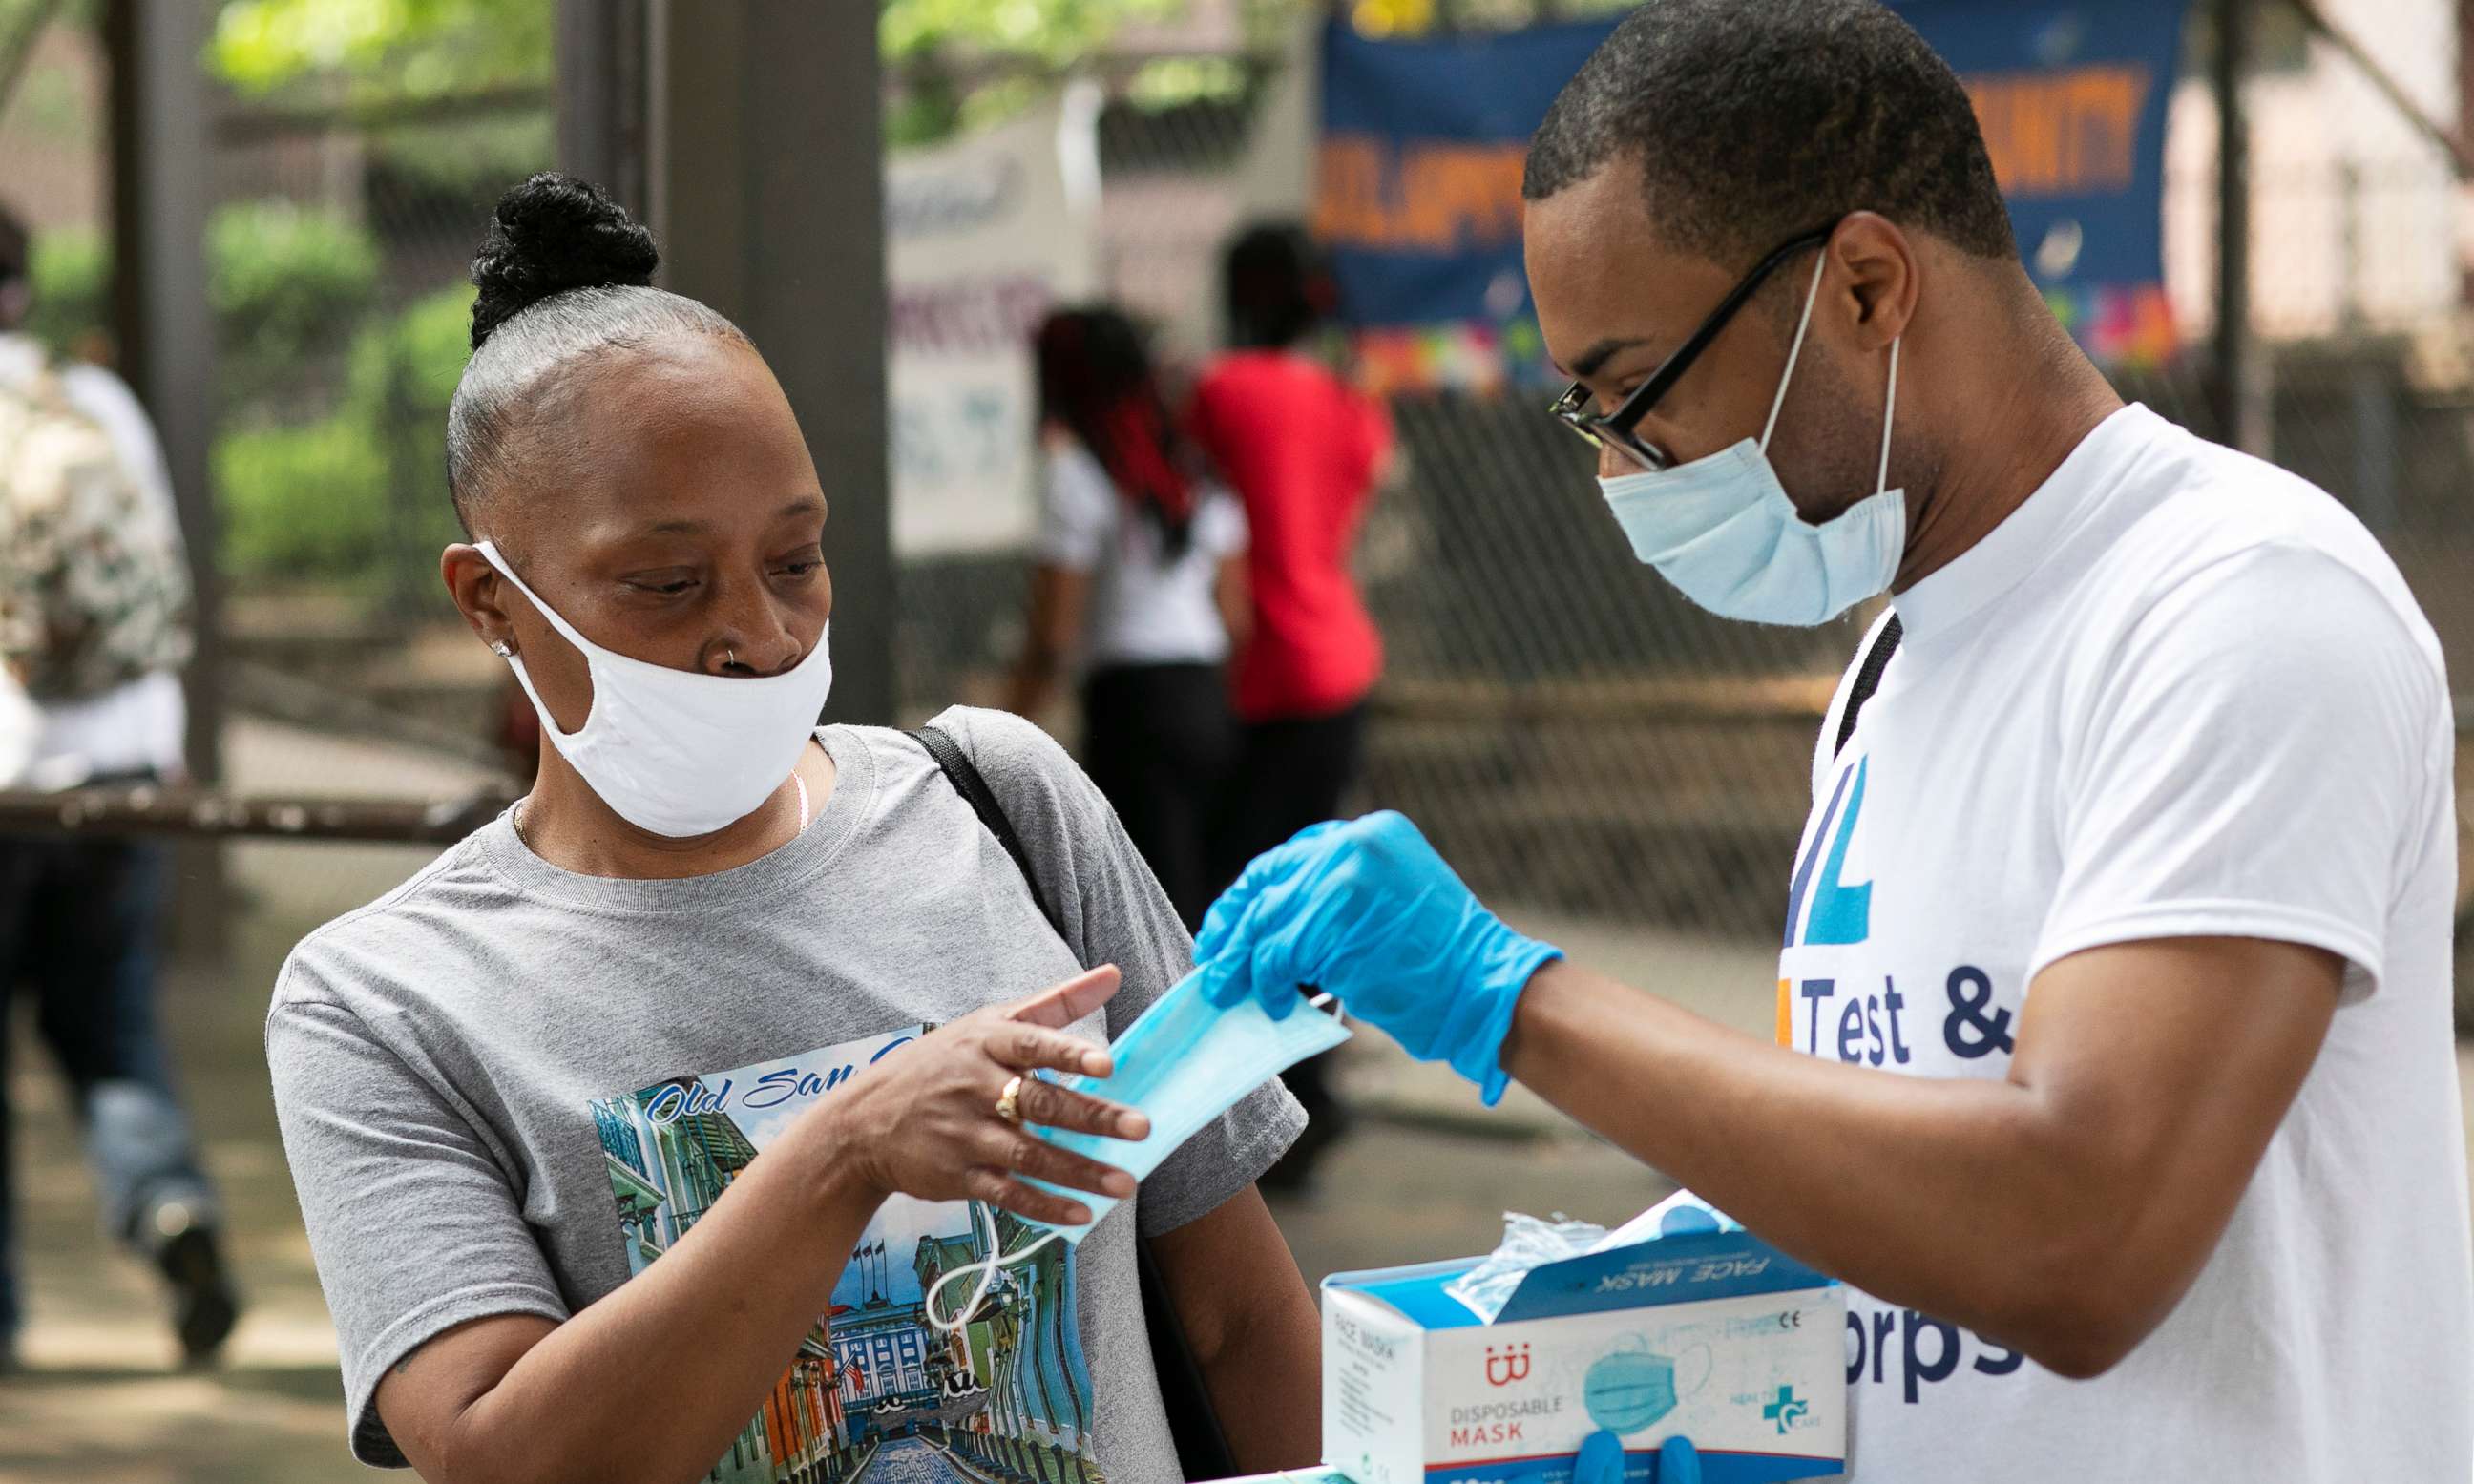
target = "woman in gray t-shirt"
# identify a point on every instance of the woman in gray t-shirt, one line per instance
(524, 1096)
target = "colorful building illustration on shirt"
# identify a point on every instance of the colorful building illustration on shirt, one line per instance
(878, 1391)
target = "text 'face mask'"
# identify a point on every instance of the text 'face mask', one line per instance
(677, 752)
(1723, 530)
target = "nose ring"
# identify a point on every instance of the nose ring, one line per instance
(729, 657)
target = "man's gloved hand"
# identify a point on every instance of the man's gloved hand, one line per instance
(1366, 911)
(1677, 1462)
(1601, 1461)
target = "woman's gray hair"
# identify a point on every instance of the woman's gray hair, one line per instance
(503, 380)
(564, 278)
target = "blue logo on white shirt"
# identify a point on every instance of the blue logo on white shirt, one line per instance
(1841, 913)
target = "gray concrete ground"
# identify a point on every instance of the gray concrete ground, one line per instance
(1429, 1176)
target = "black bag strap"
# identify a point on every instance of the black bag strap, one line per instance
(1868, 680)
(964, 775)
(1194, 1424)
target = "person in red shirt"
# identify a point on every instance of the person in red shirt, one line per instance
(1305, 451)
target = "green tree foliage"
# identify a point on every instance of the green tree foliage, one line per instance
(285, 280)
(358, 496)
(958, 63)
(1052, 32)
(285, 283)
(399, 47)
(71, 273)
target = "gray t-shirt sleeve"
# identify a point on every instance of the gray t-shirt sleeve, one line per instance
(1115, 912)
(414, 1225)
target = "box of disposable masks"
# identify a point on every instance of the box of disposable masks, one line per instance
(1709, 1335)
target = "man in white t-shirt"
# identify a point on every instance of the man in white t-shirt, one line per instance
(2114, 1069)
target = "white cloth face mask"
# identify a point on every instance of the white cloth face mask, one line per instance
(677, 752)
(1722, 529)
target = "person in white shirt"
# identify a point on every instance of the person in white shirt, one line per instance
(1140, 577)
(80, 920)
(2113, 1066)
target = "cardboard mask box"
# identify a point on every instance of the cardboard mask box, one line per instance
(1714, 1336)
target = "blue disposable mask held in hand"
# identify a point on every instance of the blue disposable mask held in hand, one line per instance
(1182, 1064)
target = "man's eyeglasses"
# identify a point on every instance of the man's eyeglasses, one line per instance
(1614, 430)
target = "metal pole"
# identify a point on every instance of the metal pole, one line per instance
(2240, 401)
(203, 814)
(765, 181)
(161, 163)
(601, 78)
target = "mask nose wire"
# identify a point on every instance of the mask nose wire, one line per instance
(1803, 321)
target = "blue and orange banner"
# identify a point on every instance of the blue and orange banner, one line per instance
(2072, 98)
(1417, 192)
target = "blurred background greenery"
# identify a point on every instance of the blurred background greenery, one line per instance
(340, 328)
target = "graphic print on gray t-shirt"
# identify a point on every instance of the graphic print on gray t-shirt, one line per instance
(1008, 1391)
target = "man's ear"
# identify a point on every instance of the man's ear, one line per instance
(1881, 272)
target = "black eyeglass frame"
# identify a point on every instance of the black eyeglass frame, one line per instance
(1614, 430)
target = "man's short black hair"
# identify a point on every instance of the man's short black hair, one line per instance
(1753, 120)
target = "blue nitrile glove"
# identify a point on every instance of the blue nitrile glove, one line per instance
(1601, 1461)
(1366, 911)
(1677, 1462)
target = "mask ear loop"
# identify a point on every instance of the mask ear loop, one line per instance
(1709, 1365)
(1889, 415)
(497, 561)
(1803, 321)
(986, 1268)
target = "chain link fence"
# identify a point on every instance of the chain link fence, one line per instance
(1579, 738)
(342, 239)
(1575, 735)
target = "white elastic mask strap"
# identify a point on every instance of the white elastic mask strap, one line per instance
(986, 1268)
(1889, 416)
(1803, 321)
(551, 615)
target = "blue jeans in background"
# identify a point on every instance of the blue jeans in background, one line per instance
(79, 925)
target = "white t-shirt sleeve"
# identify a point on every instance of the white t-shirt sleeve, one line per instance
(2255, 763)
(1077, 509)
(1218, 525)
(115, 409)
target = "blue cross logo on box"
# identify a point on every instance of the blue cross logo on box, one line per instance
(1787, 1410)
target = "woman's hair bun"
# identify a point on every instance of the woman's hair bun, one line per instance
(549, 234)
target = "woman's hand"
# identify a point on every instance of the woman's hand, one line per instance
(923, 1121)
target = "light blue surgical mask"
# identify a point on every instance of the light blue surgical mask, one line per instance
(1182, 1063)
(1722, 529)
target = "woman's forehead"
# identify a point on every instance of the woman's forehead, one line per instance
(690, 433)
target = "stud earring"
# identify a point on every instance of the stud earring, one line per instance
(503, 649)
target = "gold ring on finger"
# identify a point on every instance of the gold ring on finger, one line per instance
(1008, 1101)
